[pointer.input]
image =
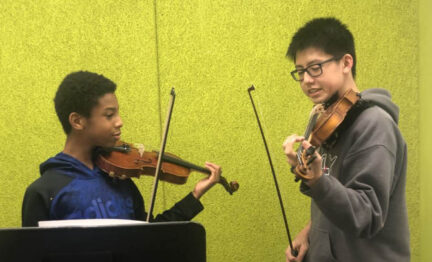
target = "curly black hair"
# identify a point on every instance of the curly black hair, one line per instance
(79, 92)
(327, 34)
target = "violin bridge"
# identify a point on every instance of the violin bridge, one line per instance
(141, 149)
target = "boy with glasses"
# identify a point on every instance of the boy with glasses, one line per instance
(358, 176)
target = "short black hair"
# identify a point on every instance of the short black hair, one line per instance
(79, 92)
(328, 34)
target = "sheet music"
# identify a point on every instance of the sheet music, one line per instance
(89, 223)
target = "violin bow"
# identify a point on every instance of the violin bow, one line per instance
(293, 251)
(161, 154)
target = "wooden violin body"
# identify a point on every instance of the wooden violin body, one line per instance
(325, 125)
(125, 161)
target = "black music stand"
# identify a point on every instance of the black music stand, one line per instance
(153, 242)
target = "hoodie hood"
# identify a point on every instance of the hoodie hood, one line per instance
(382, 98)
(67, 165)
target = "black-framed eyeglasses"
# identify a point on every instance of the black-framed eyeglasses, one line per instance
(313, 70)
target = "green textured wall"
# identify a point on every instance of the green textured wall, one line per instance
(211, 51)
(425, 127)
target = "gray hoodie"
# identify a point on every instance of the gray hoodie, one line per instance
(358, 209)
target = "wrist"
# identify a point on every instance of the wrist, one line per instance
(196, 194)
(311, 182)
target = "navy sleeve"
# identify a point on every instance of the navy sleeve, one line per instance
(34, 208)
(38, 197)
(184, 210)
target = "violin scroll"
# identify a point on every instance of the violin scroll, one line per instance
(230, 187)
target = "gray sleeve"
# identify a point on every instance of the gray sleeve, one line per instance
(359, 207)
(357, 201)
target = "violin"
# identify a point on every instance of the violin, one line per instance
(322, 124)
(125, 160)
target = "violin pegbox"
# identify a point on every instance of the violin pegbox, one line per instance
(318, 109)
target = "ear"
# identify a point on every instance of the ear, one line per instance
(77, 121)
(348, 62)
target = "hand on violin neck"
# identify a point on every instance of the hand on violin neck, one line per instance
(313, 163)
(288, 147)
(206, 183)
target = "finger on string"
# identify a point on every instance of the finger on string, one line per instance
(311, 159)
(293, 139)
(210, 166)
(310, 151)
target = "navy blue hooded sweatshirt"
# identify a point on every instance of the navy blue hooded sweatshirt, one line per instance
(67, 189)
